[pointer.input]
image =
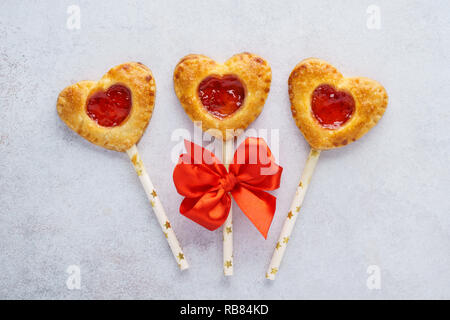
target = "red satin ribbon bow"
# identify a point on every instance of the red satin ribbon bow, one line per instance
(205, 183)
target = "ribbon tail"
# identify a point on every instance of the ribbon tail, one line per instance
(257, 205)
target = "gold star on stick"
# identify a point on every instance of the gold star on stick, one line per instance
(297, 209)
(152, 203)
(181, 256)
(278, 246)
(285, 239)
(137, 164)
(314, 153)
(167, 224)
(274, 271)
(134, 159)
(228, 230)
(300, 184)
(290, 215)
(228, 264)
(154, 194)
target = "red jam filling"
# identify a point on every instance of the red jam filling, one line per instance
(330, 107)
(221, 96)
(111, 107)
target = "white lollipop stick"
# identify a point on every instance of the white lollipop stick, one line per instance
(292, 214)
(157, 207)
(227, 153)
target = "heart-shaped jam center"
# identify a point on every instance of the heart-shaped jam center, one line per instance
(330, 107)
(221, 96)
(111, 107)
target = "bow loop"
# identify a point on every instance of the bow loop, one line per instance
(205, 183)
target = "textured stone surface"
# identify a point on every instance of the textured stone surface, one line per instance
(380, 201)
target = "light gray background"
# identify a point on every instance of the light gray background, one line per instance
(383, 200)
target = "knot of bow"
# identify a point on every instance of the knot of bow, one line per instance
(206, 184)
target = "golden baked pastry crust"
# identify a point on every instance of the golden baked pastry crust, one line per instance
(71, 106)
(370, 98)
(254, 73)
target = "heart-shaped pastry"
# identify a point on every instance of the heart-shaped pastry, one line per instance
(114, 111)
(225, 96)
(330, 110)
